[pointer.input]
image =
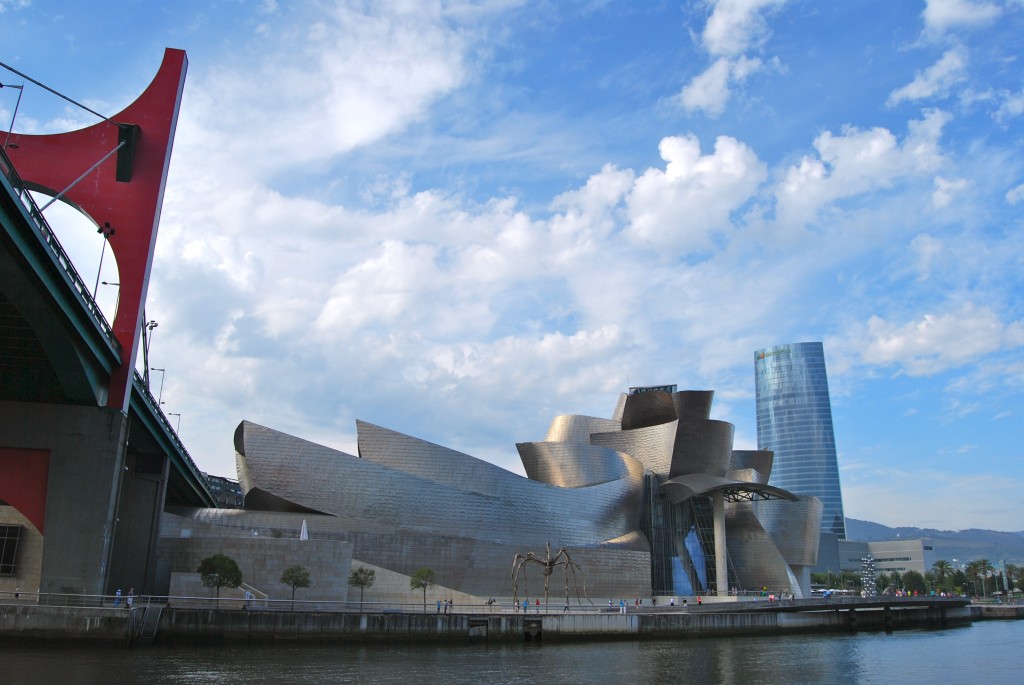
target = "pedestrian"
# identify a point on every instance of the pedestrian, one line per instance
(17, 592)
(438, 606)
(117, 597)
(131, 596)
(672, 602)
(538, 605)
(699, 601)
(526, 606)
(451, 605)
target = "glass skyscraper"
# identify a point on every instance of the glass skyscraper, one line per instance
(794, 420)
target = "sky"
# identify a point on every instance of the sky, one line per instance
(460, 219)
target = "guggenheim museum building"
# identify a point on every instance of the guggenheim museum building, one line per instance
(653, 501)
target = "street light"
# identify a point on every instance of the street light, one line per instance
(106, 231)
(117, 301)
(177, 429)
(21, 91)
(163, 374)
(147, 337)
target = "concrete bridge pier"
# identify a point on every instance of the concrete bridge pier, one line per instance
(67, 469)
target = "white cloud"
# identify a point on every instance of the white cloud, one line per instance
(679, 208)
(935, 81)
(936, 342)
(946, 190)
(709, 91)
(1015, 195)
(13, 5)
(942, 15)
(736, 26)
(355, 79)
(855, 162)
(1011, 107)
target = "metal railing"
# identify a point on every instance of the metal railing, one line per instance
(60, 257)
(154, 405)
(499, 606)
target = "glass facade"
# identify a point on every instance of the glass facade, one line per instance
(794, 420)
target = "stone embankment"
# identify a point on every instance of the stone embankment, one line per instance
(202, 626)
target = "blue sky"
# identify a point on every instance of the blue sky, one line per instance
(460, 219)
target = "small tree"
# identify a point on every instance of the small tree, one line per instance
(423, 580)
(296, 577)
(361, 578)
(219, 571)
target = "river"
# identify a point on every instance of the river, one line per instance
(984, 653)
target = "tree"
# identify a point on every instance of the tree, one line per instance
(219, 571)
(361, 578)
(296, 577)
(423, 580)
(942, 568)
(913, 581)
(1014, 577)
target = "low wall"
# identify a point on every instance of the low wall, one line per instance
(67, 623)
(197, 626)
(200, 626)
(998, 611)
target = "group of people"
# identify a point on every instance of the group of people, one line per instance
(449, 606)
(128, 599)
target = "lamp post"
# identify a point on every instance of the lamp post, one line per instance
(21, 91)
(106, 231)
(163, 374)
(177, 428)
(147, 337)
(117, 301)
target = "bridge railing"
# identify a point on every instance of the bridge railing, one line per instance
(21, 192)
(154, 405)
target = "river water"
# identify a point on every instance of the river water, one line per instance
(984, 653)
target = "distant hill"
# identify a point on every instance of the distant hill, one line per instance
(964, 545)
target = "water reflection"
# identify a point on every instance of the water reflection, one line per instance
(865, 658)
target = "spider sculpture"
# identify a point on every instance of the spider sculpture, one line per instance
(548, 564)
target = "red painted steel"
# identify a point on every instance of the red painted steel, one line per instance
(50, 163)
(23, 478)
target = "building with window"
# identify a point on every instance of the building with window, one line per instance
(794, 420)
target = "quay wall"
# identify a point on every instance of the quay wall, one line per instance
(105, 624)
(204, 626)
(201, 626)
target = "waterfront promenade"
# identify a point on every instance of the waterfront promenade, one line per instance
(206, 621)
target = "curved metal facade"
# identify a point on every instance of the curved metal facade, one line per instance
(638, 502)
(794, 420)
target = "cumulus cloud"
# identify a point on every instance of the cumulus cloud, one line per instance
(680, 207)
(709, 91)
(857, 161)
(935, 81)
(936, 342)
(942, 15)
(734, 27)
